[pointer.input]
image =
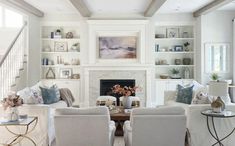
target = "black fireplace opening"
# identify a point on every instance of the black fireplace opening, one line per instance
(107, 84)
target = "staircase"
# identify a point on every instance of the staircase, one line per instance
(13, 62)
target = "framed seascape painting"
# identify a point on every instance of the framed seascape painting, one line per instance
(120, 47)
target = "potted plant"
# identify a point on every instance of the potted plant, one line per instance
(175, 73)
(214, 77)
(186, 46)
(10, 104)
(126, 92)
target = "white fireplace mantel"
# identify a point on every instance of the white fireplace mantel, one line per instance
(92, 75)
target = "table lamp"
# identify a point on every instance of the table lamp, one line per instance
(219, 89)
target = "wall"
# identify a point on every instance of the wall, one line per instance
(33, 50)
(214, 27)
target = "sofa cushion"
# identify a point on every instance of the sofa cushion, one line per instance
(163, 110)
(101, 110)
(184, 94)
(30, 96)
(50, 95)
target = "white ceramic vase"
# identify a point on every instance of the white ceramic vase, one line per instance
(127, 102)
(12, 114)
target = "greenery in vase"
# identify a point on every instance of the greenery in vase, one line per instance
(175, 71)
(214, 76)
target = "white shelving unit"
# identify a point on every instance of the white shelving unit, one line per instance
(170, 47)
(61, 54)
(166, 51)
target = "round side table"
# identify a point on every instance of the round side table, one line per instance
(224, 114)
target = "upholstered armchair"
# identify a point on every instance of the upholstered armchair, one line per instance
(84, 127)
(163, 126)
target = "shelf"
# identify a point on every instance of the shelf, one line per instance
(60, 52)
(62, 39)
(174, 65)
(167, 52)
(169, 79)
(61, 66)
(60, 79)
(170, 39)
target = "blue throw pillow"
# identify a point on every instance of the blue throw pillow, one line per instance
(184, 94)
(50, 95)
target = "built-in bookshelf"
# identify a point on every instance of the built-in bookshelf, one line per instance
(60, 52)
(174, 49)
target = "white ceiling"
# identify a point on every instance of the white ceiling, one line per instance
(229, 7)
(182, 6)
(117, 6)
(53, 6)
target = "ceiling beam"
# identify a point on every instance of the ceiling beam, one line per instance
(216, 4)
(153, 7)
(81, 7)
(23, 5)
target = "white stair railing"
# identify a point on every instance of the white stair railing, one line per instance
(12, 62)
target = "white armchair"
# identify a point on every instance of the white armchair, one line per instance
(84, 127)
(164, 126)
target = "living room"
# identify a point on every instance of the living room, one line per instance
(66, 61)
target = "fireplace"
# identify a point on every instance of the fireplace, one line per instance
(106, 85)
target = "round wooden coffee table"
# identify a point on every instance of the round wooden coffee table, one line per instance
(119, 119)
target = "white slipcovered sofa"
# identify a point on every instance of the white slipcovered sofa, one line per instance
(163, 126)
(84, 127)
(196, 122)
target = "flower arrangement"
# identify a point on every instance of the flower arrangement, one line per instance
(124, 91)
(12, 100)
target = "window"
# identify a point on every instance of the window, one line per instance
(13, 19)
(10, 18)
(216, 57)
(1, 21)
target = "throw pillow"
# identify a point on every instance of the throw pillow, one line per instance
(201, 98)
(50, 95)
(184, 94)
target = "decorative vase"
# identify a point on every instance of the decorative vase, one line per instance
(12, 114)
(127, 102)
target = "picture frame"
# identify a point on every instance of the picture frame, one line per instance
(117, 47)
(178, 48)
(172, 32)
(65, 73)
(61, 46)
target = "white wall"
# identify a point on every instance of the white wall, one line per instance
(33, 50)
(215, 27)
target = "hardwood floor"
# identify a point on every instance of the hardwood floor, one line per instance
(119, 141)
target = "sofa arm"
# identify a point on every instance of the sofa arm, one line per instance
(127, 133)
(112, 129)
(127, 126)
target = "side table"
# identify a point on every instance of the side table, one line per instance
(18, 137)
(119, 119)
(225, 114)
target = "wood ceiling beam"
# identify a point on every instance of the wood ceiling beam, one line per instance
(153, 7)
(216, 4)
(23, 5)
(81, 7)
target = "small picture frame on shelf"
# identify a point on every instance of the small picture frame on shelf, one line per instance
(65, 73)
(172, 32)
(178, 48)
(61, 46)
